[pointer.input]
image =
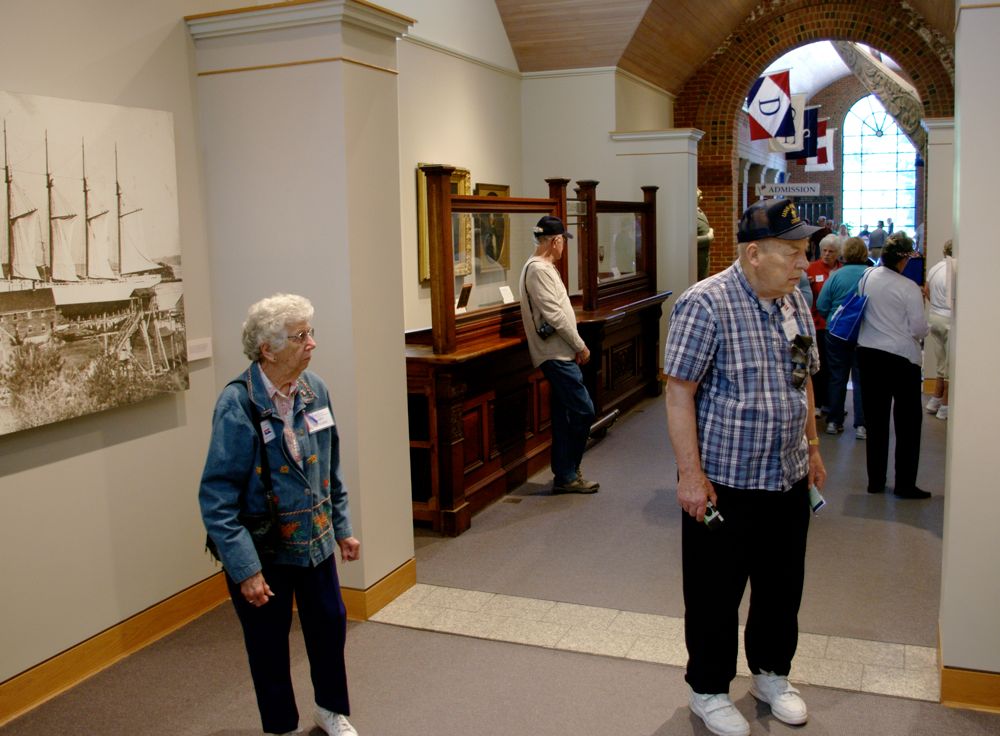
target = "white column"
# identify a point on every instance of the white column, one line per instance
(299, 124)
(939, 217)
(970, 586)
(667, 159)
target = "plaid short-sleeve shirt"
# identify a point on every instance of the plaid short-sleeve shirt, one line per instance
(751, 418)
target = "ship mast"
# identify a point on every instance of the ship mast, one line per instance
(48, 186)
(86, 212)
(121, 216)
(10, 204)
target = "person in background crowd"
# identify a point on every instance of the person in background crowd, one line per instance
(278, 416)
(888, 225)
(705, 237)
(940, 294)
(876, 240)
(557, 348)
(825, 229)
(739, 355)
(889, 356)
(843, 233)
(841, 358)
(818, 272)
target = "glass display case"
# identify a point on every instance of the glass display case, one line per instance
(478, 408)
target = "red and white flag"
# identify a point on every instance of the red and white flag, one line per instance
(823, 161)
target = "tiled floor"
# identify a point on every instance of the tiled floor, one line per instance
(829, 661)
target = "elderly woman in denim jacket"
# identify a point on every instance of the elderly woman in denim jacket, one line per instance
(279, 408)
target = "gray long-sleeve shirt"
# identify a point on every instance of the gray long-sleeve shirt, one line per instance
(550, 303)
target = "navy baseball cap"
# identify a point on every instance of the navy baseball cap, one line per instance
(550, 225)
(773, 218)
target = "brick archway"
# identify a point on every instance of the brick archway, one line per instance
(713, 97)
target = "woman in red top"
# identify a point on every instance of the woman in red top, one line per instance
(818, 272)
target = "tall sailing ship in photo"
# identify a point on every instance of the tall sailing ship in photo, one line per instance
(91, 312)
(106, 232)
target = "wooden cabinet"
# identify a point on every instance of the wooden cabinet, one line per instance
(478, 410)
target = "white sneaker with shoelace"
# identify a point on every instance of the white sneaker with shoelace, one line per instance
(775, 690)
(334, 724)
(719, 714)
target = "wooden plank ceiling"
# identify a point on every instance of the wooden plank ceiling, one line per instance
(661, 41)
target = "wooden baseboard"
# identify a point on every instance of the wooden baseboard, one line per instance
(44, 681)
(970, 689)
(363, 604)
(33, 687)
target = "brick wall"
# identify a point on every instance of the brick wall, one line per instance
(712, 98)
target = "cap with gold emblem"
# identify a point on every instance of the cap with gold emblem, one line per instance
(773, 218)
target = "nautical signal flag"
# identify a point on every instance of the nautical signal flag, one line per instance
(823, 161)
(792, 143)
(810, 134)
(770, 106)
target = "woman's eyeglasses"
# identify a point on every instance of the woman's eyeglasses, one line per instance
(301, 336)
(799, 348)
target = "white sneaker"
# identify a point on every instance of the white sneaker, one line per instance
(860, 433)
(832, 428)
(786, 705)
(933, 405)
(333, 723)
(719, 714)
(942, 412)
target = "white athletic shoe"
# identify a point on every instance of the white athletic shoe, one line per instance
(775, 690)
(332, 723)
(719, 714)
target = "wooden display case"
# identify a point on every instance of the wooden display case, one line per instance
(478, 410)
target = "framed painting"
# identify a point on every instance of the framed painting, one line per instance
(461, 228)
(492, 232)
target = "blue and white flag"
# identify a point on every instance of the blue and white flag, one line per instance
(792, 143)
(810, 136)
(770, 106)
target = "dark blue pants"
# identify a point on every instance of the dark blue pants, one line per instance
(762, 540)
(572, 414)
(265, 631)
(842, 361)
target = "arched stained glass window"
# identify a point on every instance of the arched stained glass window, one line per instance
(879, 169)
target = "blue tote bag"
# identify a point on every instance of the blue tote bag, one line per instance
(845, 324)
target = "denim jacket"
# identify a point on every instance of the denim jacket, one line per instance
(311, 499)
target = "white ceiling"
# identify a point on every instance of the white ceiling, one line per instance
(815, 66)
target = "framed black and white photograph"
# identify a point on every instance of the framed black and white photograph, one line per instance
(91, 294)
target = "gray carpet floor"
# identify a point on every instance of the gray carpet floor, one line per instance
(406, 682)
(873, 561)
(874, 572)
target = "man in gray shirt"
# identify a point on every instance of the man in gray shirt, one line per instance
(876, 240)
(557, 348)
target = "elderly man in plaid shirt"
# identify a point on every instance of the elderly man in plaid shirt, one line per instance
(739, 356)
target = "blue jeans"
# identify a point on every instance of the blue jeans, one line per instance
(842, 362)
(572, 414)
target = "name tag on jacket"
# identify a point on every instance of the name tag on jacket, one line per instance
(319, 419)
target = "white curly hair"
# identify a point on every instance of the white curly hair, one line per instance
(267, 322)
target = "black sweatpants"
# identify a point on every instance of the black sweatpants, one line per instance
(891, 384)
(763, 540)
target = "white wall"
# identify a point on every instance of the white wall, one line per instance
(471, 27)
(640, 105)
(970, 584)
(452, 110)
(568, 122)
(100, 513)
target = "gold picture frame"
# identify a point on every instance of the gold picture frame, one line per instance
(461, 233)
(492, 232)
